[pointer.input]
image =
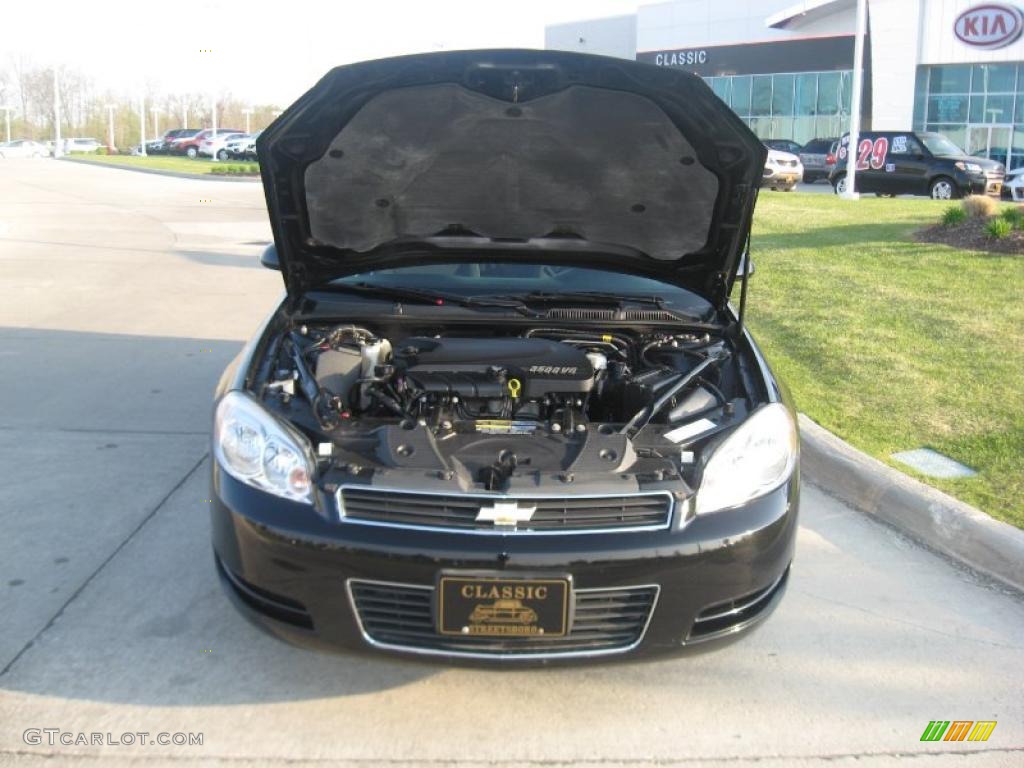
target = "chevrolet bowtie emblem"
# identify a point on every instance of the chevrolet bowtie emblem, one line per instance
(505, 513)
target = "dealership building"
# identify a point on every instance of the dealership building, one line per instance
(786, 68)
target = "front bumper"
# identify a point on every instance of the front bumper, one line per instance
(981, 184)
(781, 178)
(292, 571)
(1015, 187)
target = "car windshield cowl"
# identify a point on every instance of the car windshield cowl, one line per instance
(422, 295)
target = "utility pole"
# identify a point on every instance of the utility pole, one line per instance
(58, 150)
(247, 113)
(7, 121)
(110, 125)
(858, 82)
(142, 125)
(154, 111)
(213, 121)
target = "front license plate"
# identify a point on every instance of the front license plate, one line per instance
(499, 606)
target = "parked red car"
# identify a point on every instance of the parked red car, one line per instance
(190, 145)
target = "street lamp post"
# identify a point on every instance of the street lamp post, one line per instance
(142, 125)
(858, 79)
(110, 125)
(247, 113)
(184, 115)
(57, 149)
(155, 111)
(213, 121)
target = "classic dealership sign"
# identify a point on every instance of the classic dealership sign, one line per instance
(993, 25)
(681, 58)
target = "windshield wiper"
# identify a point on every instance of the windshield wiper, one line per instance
(427, 296)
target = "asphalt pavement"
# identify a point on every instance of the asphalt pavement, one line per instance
(122, 297)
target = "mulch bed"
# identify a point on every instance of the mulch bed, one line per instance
(971, 236)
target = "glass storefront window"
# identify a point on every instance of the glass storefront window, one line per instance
(741, 95)
(947, 109)
(976, 113)
(804, 130)
(828, 93)
(999, 108)
(806, 94)
(994, 78)
(979, 107)
(720, 85)
(845, 91)
(761, 96)
(920, 94)
(782, 95)
(801, 107)
(950, 79)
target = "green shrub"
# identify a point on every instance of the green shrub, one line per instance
(1013, 215)
(102, 151)
(253, 168)
(980, 206)
(953, 216)
(997, 229)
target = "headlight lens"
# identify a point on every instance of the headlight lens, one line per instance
(254, 447)
(755, 459)
(969, 167)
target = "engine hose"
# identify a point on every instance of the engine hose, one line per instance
(565, 335)
(692, 352)
(391, 403)
(644, 415)
(307, 383)
(713, 390)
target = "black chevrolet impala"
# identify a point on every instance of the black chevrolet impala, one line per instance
(506, 409)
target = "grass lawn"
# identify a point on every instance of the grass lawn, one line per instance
(199, 166)
(893, 344)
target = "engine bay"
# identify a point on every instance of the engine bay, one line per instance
(516, 408)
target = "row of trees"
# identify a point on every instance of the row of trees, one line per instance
(27, 91)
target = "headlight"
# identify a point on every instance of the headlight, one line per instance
(254, 447)
(755, 459)
(969, 167)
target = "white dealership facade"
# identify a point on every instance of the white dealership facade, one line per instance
(954, 66)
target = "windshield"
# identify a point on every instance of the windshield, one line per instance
(496, 279)
(819, 146)
(940, 146)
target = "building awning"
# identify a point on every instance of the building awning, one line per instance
(805, 12)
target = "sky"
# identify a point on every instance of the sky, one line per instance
(264, 52)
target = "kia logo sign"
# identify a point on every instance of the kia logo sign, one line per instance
(989, 26)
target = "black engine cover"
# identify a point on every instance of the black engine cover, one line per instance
(483, 367)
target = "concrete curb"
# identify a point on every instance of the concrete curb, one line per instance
(159, 172)
(930, 516)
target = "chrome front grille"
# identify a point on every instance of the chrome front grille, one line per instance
(550, 515)
(400, 617)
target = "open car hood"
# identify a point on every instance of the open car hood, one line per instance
(511, 155)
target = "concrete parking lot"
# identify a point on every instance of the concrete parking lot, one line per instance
(122, 296)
